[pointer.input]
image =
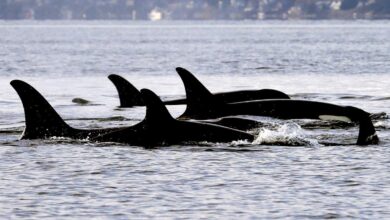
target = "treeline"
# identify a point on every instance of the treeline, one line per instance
(194, 9)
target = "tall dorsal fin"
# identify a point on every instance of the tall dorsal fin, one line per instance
(155, 109)
(42, 120)
(129, 96)
(194, 88)
(200, 101)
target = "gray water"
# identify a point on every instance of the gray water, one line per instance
(346, 63)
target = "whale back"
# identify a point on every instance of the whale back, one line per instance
(201, 103)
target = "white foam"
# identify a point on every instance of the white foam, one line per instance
(240, 143)
(286, 134)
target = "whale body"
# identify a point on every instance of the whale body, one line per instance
(158, 127)
(206, 106)
(130, 96)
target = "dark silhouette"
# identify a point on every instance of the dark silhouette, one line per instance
(129, 96)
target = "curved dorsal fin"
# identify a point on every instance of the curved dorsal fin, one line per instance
(194, 88)
(42, 120)
(155, 108)
(200, 100)
(129, 96)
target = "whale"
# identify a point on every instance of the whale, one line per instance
(160, 128)
(205, 106)
(130, 96)
(43, 122)
(41, 119)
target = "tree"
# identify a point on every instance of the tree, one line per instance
(349, 4)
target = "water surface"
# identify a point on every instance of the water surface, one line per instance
(345, 63)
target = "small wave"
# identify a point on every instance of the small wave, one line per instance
(11, 130)
(215, 147)
(382, 124)
(287, 134)
(113, 118)
(8, 132)
(58, 138)
(356, 97)
(382, 99)
(240, 143)
(262, 68)
(230, 61)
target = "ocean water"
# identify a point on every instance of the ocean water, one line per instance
(346, 63)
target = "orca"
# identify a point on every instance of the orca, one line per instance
(160, 128)
(43, 122)
(129, 96)
(207, 106)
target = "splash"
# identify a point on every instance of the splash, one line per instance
(290, 134)
(240, 143)
(382, 124)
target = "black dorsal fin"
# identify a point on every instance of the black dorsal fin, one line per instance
(155, 109)
(194, 88)
(42, 120)
(200, 101)
(129, 96)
